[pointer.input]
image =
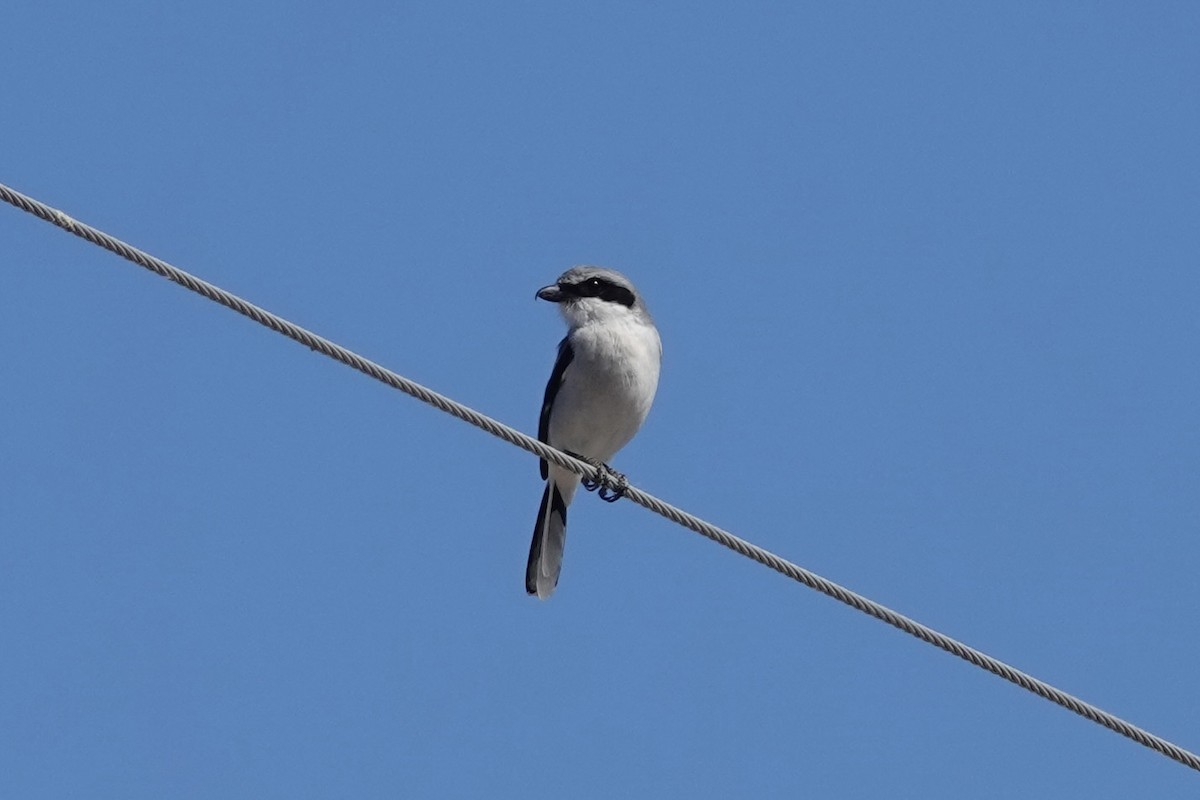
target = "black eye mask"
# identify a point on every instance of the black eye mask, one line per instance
(599, 287)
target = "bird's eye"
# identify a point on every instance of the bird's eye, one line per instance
(592, 287)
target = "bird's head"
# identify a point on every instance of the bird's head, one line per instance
(593, 294)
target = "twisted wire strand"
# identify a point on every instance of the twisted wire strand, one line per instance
(528, 443)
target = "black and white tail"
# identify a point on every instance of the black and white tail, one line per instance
(549, 537)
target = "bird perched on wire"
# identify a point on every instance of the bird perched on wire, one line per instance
(599, 393)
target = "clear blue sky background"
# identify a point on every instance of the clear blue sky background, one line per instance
(928, 284)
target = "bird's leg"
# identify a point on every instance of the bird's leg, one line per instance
(616, 487)
(612, 484)
(588, 483)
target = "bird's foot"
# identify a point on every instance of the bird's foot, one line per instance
(616, 486)
(612, 484)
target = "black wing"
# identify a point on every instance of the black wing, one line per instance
(565, 354)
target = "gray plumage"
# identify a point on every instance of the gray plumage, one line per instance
(599, 393)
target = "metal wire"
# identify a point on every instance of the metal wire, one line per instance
(513, 436)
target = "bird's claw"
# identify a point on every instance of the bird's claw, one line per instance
(612, 484)
(616, 488)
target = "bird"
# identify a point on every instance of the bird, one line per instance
(600, 391)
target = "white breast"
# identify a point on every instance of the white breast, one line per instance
(608, 387)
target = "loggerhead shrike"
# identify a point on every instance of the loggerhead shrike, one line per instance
(598, 396)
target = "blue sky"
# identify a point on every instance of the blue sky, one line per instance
(927, 280)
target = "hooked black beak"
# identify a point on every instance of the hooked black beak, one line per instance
(551, 293)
